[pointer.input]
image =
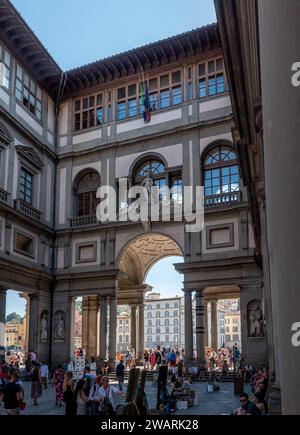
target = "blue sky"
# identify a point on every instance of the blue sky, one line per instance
(78, 32)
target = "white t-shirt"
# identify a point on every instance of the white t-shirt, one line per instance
(110, 393)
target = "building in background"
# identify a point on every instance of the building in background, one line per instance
(233, 328)
(15, 334)
(163, 321)
(123, 329)
(78, 324)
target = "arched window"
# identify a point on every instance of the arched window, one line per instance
(149, 315)
(157, 322)
(221, 176)
(86, 191)
(157, 172)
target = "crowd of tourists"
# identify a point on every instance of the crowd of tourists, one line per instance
(89, 395)
(92, 394)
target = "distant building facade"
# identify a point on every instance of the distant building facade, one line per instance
(15, 334)
(163, 321)
(233, 328)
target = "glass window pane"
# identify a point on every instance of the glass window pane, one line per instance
(77, 121)
(176, 95)
(202, 88)
(190, 91)
(99, 114)
(38, 93)
(220, 84)
(202, 69)
(153, 85)
(77, 105)
(164, 81)
(132, 90)
(153, 102)
(121, 93)
(85, 103)
(219, 64)
(164, 99)
(121, 111)
(132, 109)
(92, 102)
(6, 58)
(19, 72)
(99, 100)
(190, 72)
(211, 67)
(212, 86)
(176, 77)
(26, 80)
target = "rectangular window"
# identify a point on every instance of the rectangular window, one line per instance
(26, 184)
(5, 60)
(212, 78)
(28, 93)
(24, 244)
(190, 83)
(88, 112)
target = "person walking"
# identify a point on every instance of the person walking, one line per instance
(81, 397)
(120, 369)
(69, 399)
(58, 381)
(94, 396)
(12, 396)
(44, 375)
(36, 384)
(107, 395)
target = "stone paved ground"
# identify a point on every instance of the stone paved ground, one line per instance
(221, 402)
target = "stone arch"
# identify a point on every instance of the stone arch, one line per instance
(214, 144)
(76, 181)
(139, 254)
(143, 158)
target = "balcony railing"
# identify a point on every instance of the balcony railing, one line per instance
(3, 195)
(28, 210)
(225, 199)
(83, 221)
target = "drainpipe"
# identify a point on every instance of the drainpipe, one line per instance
(62, 84)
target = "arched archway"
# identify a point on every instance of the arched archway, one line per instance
(135, 260)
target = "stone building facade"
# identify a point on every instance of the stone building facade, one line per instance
(263, 70)
(63, 134)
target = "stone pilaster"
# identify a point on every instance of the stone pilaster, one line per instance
(214, 324)
(103, 328)
(133, 328)
(200, 326)
(112, 330)
(188, 325)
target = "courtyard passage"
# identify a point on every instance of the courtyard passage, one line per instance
(217, 403)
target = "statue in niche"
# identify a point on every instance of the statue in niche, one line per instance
(256, 321)
(44, 327)
(59, 332)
